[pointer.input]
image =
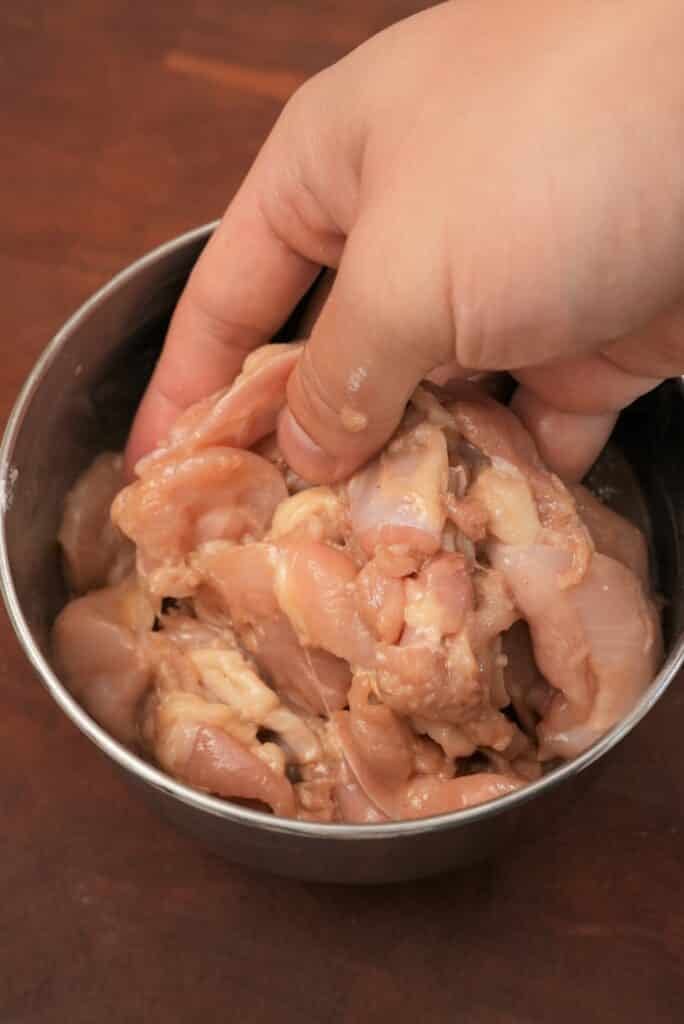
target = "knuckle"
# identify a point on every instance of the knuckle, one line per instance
(294, 195)
(203, 310)
(306, 98)
(508, 320)
(313, 389)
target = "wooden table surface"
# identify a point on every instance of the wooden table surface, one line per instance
(122, 124)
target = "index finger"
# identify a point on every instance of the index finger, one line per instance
(268, 249)
(241, 290)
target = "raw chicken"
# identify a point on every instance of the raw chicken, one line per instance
(420, 639)
(238, 416)
(99, 649)
(400, 497)
(597, 643)
(613, 535)
(213, 494)
(96, 552)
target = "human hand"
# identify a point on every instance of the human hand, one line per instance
(499, 187)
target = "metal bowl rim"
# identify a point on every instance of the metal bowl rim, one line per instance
(157, 779)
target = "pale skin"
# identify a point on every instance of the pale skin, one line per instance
(499, 186)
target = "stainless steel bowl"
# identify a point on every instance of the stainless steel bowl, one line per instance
(80, 399)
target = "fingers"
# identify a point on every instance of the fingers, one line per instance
(243, 287)
(587, 385)
(570, 406)
(367, 353)
(569, 443)
(258, 264)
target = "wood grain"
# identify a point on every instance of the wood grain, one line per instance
(124, 123)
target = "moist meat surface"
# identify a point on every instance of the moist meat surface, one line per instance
(421, 638)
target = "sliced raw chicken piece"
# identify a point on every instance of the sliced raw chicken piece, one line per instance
(469, 515)
(172, 671)
(436, 413)
(519, 758)
(96, 553)
(269, 450)
(507, 498)
(560, 643)
(353, 804)
(495, 610)
(427, 795)
(315, 588)
(317, 513)
(429, 758)
(217, 494)
(422, 795)
(494, 431)
(237, 417)
(530, 694)
(208, 757)
(316, 800)
(297, 733)
(490, 428)
(228, 698)
(394, 560)
(439, 599)
(623, 636)
(230, 680)
(612, 534)
(381, 738)
(243, 578)
(432, 683)
(190, 634)
(379, 792)
(203, 663)
(380, 602)
(97, 651)
(314, 680)
(433, 672)
(489, 728)
(598, 642)
(400, 497)
(451, 738)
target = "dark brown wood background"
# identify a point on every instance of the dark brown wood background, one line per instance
(123, 123)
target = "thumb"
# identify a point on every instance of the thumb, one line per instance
(367, 353)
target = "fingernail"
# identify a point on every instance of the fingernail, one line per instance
(303, 454)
